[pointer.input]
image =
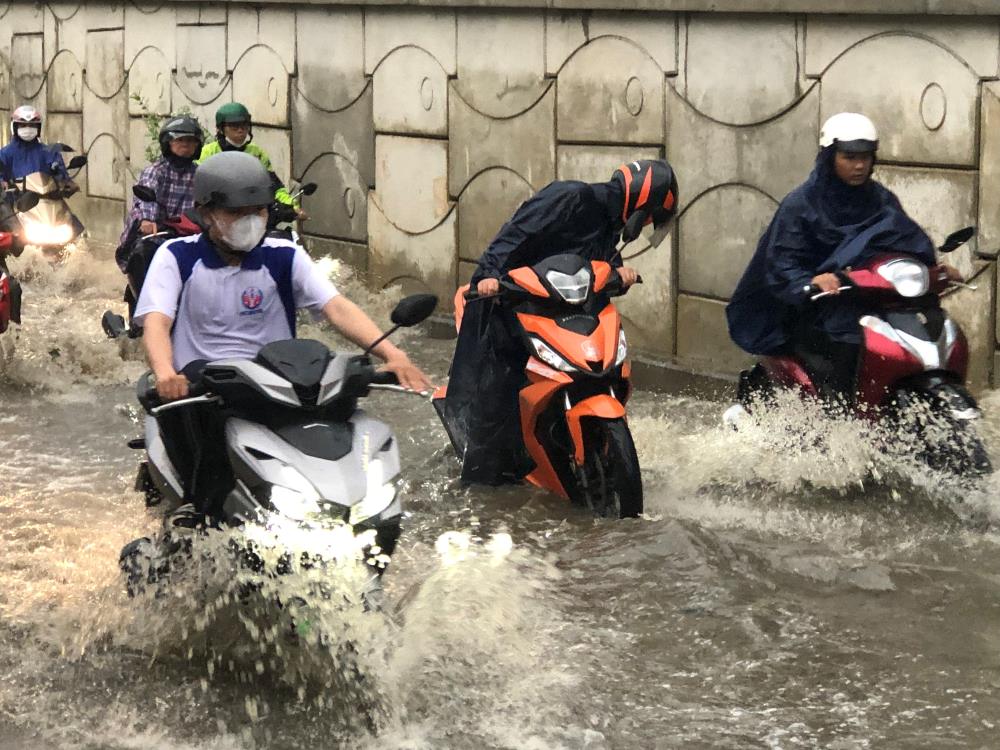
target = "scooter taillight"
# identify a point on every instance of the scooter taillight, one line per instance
(6, 240)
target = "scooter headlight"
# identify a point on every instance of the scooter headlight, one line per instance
(294, 497)
(571, 287)
(294, 504)
(909, 277)
(550, 357)
(622, 348)
(378, 495)
(36, 233)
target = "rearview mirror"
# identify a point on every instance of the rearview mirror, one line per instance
(956, 239)
(26, 201)
(144, 193)
(77, 161)
(414, 309)
(309, 188)
(61, 147)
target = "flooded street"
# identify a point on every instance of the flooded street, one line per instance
(796, 584)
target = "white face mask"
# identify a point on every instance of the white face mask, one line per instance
(27, 134)
(241, 144)
(245, 233)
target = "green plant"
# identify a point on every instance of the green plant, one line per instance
(154, 121)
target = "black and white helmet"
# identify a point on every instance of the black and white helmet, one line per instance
(850, 132)
(182, 126)
(232, 179)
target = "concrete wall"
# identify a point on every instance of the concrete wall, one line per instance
(425, 125)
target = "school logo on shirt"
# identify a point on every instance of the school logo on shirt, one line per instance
(252, 297)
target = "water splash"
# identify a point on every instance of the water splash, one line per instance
(60, 344)
(790, 467)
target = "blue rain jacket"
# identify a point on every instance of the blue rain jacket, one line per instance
(824, 225)
(19, 159)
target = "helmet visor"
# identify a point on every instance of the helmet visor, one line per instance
(860, 146)
(659, 234)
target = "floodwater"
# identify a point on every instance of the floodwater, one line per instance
(796, 584)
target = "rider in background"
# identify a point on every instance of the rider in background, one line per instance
(487, 372)
(172, 179)
(840, 217)
(234, 132)
(26, 154)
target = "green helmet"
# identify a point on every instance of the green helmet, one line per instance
(230, 113)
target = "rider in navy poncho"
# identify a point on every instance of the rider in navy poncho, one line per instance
(481, 408)
(824, 226)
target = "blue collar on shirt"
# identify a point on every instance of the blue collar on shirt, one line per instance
(211, 257)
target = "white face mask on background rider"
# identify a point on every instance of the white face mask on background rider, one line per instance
(242, 234)
(28, 133)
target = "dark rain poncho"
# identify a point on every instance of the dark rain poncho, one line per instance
(824, 225)
(481, 409)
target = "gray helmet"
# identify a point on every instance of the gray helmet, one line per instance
(232, 179)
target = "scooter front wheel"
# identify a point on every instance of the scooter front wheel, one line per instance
(609, 482)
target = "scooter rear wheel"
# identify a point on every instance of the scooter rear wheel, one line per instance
(609, 482)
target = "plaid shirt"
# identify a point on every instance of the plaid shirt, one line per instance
(174, 188)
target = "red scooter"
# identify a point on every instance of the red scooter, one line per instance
(10, 230)
(912, 356)
(10, 289)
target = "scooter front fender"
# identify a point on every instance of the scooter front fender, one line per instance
(602, 406)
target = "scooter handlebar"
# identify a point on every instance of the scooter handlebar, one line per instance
(384, 377)
(473, 294)
(152, 397)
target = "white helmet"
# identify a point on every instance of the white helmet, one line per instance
(851, 132)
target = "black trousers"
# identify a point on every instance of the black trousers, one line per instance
(195, 440)
(832, 364)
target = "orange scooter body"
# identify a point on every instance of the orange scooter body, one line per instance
(593, 382)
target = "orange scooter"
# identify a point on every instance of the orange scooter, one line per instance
(572, 408)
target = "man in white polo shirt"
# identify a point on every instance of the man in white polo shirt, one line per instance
(228, 291)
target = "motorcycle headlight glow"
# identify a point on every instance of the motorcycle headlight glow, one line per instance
(294, 497)
(549, 356)
(622, 348)
(379, 494)
(572, 288)
(909, 277)
(36, 233)
(293, 504)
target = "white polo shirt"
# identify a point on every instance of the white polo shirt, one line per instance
(221, 311)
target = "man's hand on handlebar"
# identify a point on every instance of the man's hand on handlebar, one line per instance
(147, 227)
(171, 386)
(409, 375)
(951, 273)
(628, 276)
(827, 282)
(301, 215)
(488, 287)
